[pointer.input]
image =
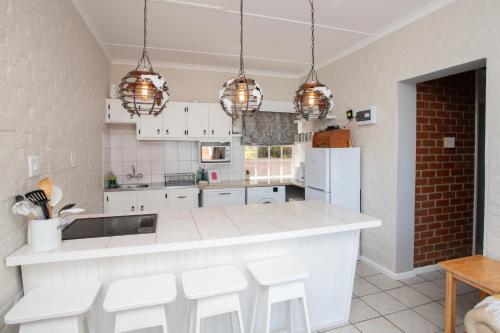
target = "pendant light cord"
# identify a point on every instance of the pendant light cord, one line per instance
(312, 73)
(242, 65)
(144, 61)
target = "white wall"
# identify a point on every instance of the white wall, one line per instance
(155, 158)
(464, 31)
(53, 81)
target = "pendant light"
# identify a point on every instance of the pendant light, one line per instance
(240, 96)
(142, 91)
(313, 100)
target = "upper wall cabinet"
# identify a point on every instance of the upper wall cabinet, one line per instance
(116, 113)
(186, 121)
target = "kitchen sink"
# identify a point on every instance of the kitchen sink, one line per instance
(134, 186)
(110, 226)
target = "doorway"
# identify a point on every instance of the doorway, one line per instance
(449, 167)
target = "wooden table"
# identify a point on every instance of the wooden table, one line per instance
(477, 271)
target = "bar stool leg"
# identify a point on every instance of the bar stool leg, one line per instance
(289, 311)
(305, 315)
(164, 320)
(240, 319)
(267, 317)
(91, 320)
(197, 319)
(253, 322)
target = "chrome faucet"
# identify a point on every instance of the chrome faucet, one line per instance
(134, 175)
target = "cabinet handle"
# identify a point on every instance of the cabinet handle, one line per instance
(109, 106)
(107, 198)
(213, 132)
(229, 132)
(158, 131)
(181, 197)
(139, 131)
(166, 195)
(131, 116)
(166, 132)
(109, 115)
(204, 132)
(225, 193)
(142, 208)
(187, 132)
(133, 209)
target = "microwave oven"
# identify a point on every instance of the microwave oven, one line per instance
(215, 152)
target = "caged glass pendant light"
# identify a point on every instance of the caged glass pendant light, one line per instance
(142, 91)
(313, 100)
(240, 96)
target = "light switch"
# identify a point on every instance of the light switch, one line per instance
(449, 142)
(73, 160)
(33, 166)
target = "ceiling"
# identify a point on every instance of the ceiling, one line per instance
(204, 34)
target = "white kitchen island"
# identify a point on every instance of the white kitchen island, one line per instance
(324, 237)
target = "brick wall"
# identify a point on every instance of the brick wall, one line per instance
(444, 201)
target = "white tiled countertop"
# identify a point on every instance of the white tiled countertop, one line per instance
(186, 229)
(255, 183)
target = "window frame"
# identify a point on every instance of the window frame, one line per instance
(269, 160)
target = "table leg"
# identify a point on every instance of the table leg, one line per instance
(451, 286)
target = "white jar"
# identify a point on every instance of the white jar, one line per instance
(45, 235)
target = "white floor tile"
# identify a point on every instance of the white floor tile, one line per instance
(363, 288)
(430, 290)
(433, 275)
(463, 305)
(409, 296)
(364, 270)
(344, 329)
(413, 280)
(434, 312)
(383, 303)
(383, 282)
(360, 311)
(377, 325)
(411, 322)
(462, 288)
(473, 297)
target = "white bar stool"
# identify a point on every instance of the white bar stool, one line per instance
(280, 280)
(56, 309)
(212, 292)
(140, 302)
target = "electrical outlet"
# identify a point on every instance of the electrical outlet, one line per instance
(349, 114)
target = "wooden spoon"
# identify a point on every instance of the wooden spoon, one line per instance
(45, 185)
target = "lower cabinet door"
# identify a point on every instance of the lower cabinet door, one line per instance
(120, 202)
(183, 198)
(223, 197)
(152, 200)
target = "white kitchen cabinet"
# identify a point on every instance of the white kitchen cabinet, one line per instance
(117, 114)
(150, 127)
(183, 198)
(120, 202)
(223, 197)
(175, 120)
(152, 200)
(220, 124)
(197, 120)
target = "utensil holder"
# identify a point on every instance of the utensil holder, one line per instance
(45, 235)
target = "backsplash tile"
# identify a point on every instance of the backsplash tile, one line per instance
(155, 158)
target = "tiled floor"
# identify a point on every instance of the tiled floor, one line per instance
(416, 305)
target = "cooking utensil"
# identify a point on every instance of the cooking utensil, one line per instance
(39, 198)
(56, 196)
(75, 210)
(25, 207)
(46, 186)
(66, 207)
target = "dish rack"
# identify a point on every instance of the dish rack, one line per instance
(180, 179)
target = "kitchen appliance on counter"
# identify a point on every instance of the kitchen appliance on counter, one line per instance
(266, 195)
(333, 175)
(336, 138)
(215, 152)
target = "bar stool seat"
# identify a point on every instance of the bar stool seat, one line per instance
(214, 291)
(140, 302)
(55, 309)
(280, 280)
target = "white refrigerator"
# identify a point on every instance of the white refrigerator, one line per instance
(333, 175)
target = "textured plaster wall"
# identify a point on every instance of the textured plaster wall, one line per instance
(53, 81)
(187, 85)
(463, 31)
